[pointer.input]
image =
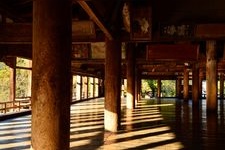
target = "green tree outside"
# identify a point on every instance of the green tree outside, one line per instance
(23, 78)
(148, 86)
(4, 82)
(168, 87)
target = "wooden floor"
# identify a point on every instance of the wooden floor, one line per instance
(166, 124)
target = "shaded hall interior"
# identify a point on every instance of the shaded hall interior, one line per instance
(155, 124)
(75, 72)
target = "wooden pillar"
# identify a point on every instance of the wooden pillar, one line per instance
(112, 85)
(221, 85)
(159, 88)
(211, 76)
(71, 89)
(101, 90)
(201, 77)
(13, 79)
(78, 87)
(88, 87)
(94, 87)
(195, 84)
(137, 86)
(186, 84)
(81, 87)
(178, 87)
(29, 80)
(122, 88)
(130, 76)
(2, 18)
(84, 87)
(51, 86)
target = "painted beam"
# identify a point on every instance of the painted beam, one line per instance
(210, 31)
(93, 17)
(21, 33)
(178, 52)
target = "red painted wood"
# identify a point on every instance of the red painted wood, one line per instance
(210, 31)
(179, 52)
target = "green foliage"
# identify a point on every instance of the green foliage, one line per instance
(4, 82)
(22, 62)
(152, 84)
(145, 86)
(23, 78)
(149, 86)
(23, 82)
(168, 88)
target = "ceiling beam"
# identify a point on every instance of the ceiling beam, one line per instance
(212, 31)
(93, 17)
(21, 50)
(10, 13)
(24, 2)
(21, 33)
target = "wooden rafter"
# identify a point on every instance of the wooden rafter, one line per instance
(5, 10)
(21, 33)
(93, 17)
(24, 2)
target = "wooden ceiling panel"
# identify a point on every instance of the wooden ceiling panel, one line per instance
(107, 15)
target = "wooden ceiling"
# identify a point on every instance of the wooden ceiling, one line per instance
(202, 20)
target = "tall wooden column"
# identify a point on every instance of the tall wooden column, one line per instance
(101, 88)
(137, 86)
(159, 88)
(84, 87)
(201, 77)
(71, 87)
(221, 85)
(112, 85)
(94, 87)
(29, 79)
(178, 87)
(130, 76)
(51, 75)
(97, 82)
(12, 79)
(195, 84)
(186, 84)
(211, 76)
(78, 87)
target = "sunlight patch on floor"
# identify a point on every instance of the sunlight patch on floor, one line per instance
(142, 128)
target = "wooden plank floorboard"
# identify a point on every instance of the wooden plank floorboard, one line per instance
(158, 124)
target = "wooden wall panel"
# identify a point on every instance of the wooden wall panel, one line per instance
(210, 31)
(179, 52)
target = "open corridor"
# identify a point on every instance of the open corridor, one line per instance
(159, 124)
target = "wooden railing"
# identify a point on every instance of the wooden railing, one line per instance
(15, 106)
